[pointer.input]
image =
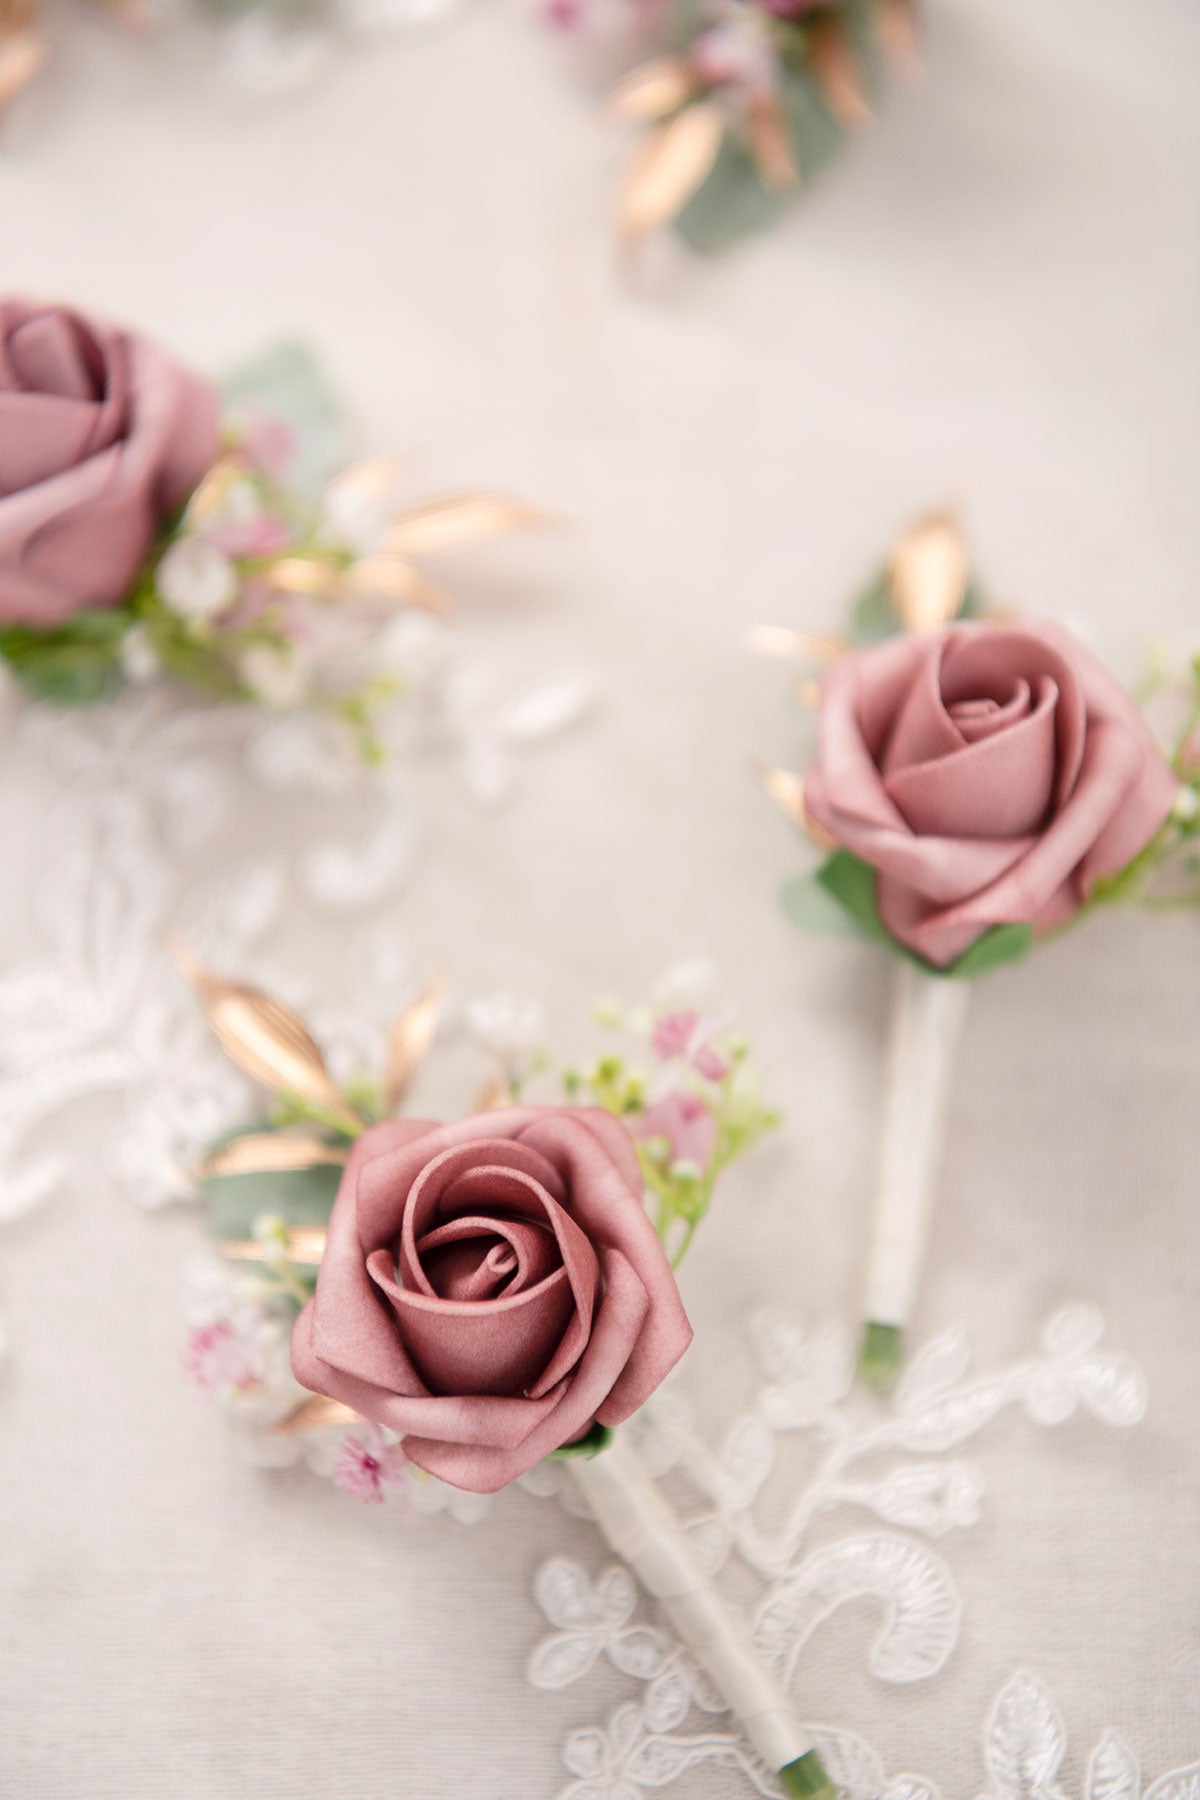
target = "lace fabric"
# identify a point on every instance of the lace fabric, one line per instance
(918, 1492)
(145, 809)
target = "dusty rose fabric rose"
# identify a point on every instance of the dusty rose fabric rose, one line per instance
(492, 1288)
(989, 772)
(101, 436)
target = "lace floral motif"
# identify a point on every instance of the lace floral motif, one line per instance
(808, 1392)
(1024, 1743)
(140, 794)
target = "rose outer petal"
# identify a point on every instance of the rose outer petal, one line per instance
(350, 1327)
(500, 1421)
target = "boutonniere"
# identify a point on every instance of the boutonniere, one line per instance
(979, 784)
(743, 105)
(153, 525)
(461, 1301)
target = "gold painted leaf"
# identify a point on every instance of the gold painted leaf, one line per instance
(305, 1244)
(787, 791)
(22, 54)
(268, 1153)
(391, 578)
(304, 575)
(928, 573)
(492, 1096)
(456, 519)
(371, 478)
(836, 68)
(781, 640)
(897, 27)
(132, 15)
(672, 162)
(654, 90)
(408, 1043)
(208, 497)
(314, 1413)
(266, 1039)
(770, 141)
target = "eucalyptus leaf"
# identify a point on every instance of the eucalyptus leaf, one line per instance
(807, 902)
(287, 383)
(301, 1197)
(733, 202)
(872, 614)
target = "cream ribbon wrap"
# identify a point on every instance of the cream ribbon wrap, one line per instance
(928, 1012)
(643, 1529)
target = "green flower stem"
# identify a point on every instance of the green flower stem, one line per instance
(879, 1358)
(291, 1108)
(292, 1283)
(689, 1233)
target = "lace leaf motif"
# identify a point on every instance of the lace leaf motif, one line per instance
(808, 1388)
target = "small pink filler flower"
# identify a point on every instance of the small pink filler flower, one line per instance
(367, 1466)
(687, 1035)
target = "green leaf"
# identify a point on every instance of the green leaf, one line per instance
(815, 134)
(808, 902)
(733, 203)
(1002, 944)
(591, 1444)
(298, 1196)
(74, 664)
(286, 382)
(852, 883)
(872, 615)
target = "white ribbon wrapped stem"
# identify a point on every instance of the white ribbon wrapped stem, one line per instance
(644, 1530)
(928, 1012)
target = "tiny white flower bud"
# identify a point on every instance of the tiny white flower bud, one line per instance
(1186, 806)
(138, 660)
(195, 579)
(277, 678)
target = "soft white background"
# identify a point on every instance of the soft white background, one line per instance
(995, 295)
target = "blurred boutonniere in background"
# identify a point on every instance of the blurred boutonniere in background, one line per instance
(155, 526)
(979, 783)
(455, 1304)
(264, 47)
(742, 103)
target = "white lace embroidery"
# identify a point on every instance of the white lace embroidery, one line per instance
(1024, 1742)
(808, 1394)
(141, 793)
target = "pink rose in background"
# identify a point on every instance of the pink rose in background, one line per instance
(102, 436)
(491, 1289)
(687, 1126)
(989, 773)
(687, 1035)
